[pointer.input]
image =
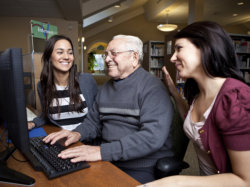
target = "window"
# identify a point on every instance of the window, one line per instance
(96, 63)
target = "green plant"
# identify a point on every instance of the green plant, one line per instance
(91, 60)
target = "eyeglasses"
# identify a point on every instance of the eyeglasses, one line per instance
(113, 54)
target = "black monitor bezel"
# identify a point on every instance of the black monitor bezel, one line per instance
(13, 113)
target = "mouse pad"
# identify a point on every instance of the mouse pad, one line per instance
(37, 132)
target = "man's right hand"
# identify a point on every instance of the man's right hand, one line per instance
(71, 137)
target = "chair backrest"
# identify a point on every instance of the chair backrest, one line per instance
(180, 140)
(168, 166)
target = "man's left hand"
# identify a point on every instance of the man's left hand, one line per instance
(82, 153)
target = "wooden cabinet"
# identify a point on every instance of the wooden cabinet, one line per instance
(242, 47)
(153, 59)
(170, 42)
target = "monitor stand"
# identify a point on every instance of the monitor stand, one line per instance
(8, 175)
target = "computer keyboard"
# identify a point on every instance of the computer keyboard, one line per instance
(52, 165)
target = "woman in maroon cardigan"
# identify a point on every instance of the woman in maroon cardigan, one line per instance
(217, 119)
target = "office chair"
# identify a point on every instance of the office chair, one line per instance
(168, 166)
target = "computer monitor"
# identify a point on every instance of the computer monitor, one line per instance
(13, 112)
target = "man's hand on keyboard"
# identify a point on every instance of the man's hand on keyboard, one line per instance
(82, 153)
(71, 137)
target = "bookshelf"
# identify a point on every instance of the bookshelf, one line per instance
(242, 48)
(153, 57)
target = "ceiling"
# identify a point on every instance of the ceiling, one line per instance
(95, 13)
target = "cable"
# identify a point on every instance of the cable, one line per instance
(18, 159)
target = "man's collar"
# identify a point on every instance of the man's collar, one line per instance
(117, 80)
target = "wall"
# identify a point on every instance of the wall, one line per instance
(236, 29)
(16, 32)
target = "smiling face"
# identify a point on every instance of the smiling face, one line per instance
(187, 58)
(62, 57)
(120, 61)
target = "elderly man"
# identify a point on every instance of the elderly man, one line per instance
(132, 114)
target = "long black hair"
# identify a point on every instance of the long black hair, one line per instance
(218, 54)
(47, 79)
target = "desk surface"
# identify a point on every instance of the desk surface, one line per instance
(99, 174)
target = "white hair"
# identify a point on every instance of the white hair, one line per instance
(133, 43)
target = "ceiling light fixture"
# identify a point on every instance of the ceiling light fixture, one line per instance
(110, 19)
(167, 27)
(117, 5)
(240, 3)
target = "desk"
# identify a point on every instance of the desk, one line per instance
(100, 173)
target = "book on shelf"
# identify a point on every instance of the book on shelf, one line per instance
(242, 46)
(180, 83)
(157, 72)
(156, 62)
(247, 77)
(178, 78)
(157, 50)
(180, 88)
(244, 62)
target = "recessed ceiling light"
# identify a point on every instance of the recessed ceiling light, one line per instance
(110, 19)
(118, 5)
(234, 15)
(240, 3)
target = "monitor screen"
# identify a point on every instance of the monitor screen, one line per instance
(12, 102)
(12, 98)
